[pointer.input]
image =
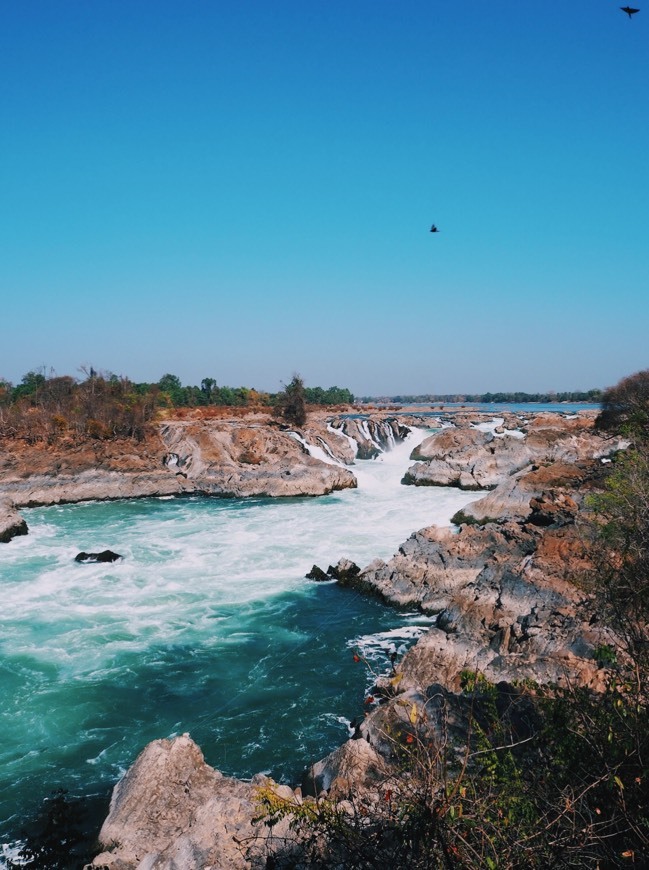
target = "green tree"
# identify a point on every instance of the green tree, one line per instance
(171, 385)
(208, 385)
(28, 385)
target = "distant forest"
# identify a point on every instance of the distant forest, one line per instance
(472, 398)
(104, 405)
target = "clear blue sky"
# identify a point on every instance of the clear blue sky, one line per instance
(244, 189)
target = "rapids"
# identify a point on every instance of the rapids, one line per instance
(206, 626)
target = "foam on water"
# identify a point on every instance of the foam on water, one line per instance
(207, 625)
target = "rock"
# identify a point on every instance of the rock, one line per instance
(343, 570)
(171, 810)
(466, 458)
(317, 574)
(512, 498)
(552, 509)
(104, 556)
(11, 523)
(470, 458)
(354, 765)
(372, 436)
(211, 457)
(503, 596)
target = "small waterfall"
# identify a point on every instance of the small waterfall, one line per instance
(371, 437)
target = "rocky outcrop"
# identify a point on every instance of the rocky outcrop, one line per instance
(503, 597)
(467, 458)
(221, 458)
(172, 810)
(521, 494)
(11, 523)
(471, 458)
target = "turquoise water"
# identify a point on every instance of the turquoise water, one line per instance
(206, 626)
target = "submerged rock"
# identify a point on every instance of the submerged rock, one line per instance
(317, 574)
(343, 570)
(104, 556)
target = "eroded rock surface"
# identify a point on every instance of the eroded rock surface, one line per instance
(212, 457)
(512, 499)
(471, 458)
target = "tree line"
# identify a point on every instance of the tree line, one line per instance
(594, 396)
(105, 405)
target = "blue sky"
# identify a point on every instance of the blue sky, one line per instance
(243, 190)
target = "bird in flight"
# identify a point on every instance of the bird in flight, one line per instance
(629, 10)
(434, 229)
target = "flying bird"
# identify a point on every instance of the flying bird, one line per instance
(434, 229)
(629, 10)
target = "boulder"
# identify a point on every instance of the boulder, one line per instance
(317, 574)
(512, 499)
(171, 810)
(11, 523)
(104, 556)
(343, 570)
(467, 458)
(471, 458)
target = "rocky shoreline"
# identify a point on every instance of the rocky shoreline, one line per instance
(501, 588)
